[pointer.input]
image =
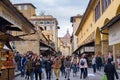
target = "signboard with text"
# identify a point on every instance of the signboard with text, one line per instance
(89, 49)
(114, 33)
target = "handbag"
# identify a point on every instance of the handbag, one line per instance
(104, 77)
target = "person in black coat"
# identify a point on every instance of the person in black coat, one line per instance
(110, 70)
(48, 67)
(38, 70)
(98, 62)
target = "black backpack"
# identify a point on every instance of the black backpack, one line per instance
(82, 62)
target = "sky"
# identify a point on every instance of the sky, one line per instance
(62, 10)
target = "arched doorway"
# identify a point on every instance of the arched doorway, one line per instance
(104, 39)
(97, 41)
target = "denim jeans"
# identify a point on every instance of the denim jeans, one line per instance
(22, 70)
(48, 74)
(32, 75)
(67, 73)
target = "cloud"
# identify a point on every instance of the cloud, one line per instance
(60, 9)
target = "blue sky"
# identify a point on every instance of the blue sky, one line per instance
(60, 9)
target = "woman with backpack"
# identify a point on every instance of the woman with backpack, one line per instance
(83, 67)
(38, 69)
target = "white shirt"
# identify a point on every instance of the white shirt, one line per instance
(85, 63)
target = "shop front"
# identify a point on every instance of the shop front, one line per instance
(114, 35)
(46, 50)
(10, 20)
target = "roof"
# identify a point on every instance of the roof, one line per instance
(111, 22)
(13, 9)
(77, 16)
(25, 4)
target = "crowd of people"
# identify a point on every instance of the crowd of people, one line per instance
(35, 67)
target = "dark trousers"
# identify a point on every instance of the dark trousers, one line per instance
(82, 73)
(36, 76)
(86, 72)
(110, 76)
(98, 67)
(48, 74)
(94, 68)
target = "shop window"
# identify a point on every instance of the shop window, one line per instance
(105, 4)
(97, 11)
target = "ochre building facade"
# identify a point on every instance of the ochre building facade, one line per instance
(97, 15)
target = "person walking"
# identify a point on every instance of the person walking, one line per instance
(32, 67)
(67, 67)
(22, 66)
(48, 67)
(83, 66)
(57, 66)
(28, 65)
(38, 69)
(110, 70)
(74, 65)
(94, 63)
(98, 62)
(118, 62)
(62, 66)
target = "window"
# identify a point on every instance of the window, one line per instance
(48, 22)
(41, 22)
(19, 7)
(105, 4)
(53, 22)
(45, 28)
(97, 11)
(25, 7)
(50, 27)
(44, 22)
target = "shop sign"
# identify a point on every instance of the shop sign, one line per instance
(44, 48)
(114, 33)
(89, 49)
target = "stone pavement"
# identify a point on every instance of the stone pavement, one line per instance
(91, 76)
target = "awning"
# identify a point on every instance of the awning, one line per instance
(45, 47)
(7, 37)
(111, 22)
(4, 22)
(89, 44)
